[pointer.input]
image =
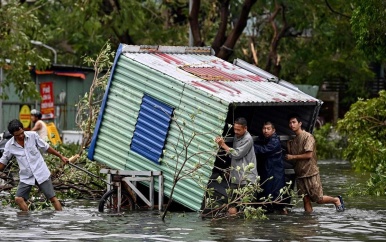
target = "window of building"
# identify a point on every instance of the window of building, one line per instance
(151, 128)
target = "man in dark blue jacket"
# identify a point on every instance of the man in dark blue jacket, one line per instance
(269, 158)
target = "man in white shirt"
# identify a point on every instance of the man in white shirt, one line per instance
(25, 145)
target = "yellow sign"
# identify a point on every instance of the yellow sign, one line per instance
(25, 116)
(53, 134)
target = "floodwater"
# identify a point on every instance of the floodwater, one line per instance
(363, 220)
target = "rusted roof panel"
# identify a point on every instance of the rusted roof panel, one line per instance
(222, 79)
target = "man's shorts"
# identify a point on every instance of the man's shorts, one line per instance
(46, 187)
(311, 186)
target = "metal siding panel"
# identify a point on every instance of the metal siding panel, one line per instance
(196, 100)
(91, 151)
(130, 82)
(112, 150)
(149, 81)
(201, 114)
(187, 192)
(151, 128)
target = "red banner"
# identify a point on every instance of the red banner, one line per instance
(47, 106)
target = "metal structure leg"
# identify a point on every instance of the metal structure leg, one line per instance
(131, 178)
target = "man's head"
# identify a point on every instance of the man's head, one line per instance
(15, 127)
(240, 127)
(268, 129)
(35, 115)
(294, 122)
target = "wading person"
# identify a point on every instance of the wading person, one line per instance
(269, 157)
(242, 154)
(302, 152)
(24, 146)
(39, 125)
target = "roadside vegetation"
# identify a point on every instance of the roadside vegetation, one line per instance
(330, 144)
(365, 128)
(359, 138)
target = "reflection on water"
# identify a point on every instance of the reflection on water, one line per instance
(364, 220)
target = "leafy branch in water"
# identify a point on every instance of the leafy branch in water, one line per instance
(364, 126)
(68, 182)
(243, 200)
(182, 155)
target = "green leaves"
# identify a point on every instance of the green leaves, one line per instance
(329, 143)
(365, 127)
(368, 23)
(18, 25)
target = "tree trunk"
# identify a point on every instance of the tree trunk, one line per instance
(227, 47)
(112, 7)
(273, 62)
(194, 25)
(221, 33)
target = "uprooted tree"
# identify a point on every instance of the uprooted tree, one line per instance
(364, 126)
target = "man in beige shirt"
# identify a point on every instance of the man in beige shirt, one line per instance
(302, 153)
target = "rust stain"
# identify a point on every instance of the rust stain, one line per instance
(227, 88)
(170, 59)
(255, 78)
(199, 84)
(209, 73)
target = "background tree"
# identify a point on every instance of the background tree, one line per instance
(364, 125)
(368, 24)
(310, 43)
(79, 28)
(304, 42)
(19, 25)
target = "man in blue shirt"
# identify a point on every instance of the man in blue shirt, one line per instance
(25, 145)
(269, 155)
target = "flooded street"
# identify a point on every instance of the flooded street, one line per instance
(363, 220)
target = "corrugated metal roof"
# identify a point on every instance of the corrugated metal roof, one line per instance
(233, 84)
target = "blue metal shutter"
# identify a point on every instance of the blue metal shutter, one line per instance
(151, 128)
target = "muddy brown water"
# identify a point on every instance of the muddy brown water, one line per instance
(363, 220)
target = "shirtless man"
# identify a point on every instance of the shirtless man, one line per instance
(39, 125)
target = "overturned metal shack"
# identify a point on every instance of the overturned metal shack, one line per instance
(154, 91)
